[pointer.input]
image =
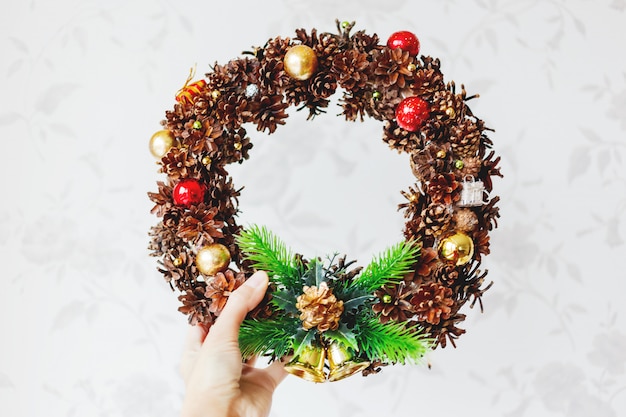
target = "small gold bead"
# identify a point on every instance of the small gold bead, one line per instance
(459, 164)
(177, 262)
(450, 112)
(215, 94)
(441, 154)
(413, 198)
(206, 160)
(238, 146)
(386, 298)
(411, 67)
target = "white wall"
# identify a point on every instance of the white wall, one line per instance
(89, 328)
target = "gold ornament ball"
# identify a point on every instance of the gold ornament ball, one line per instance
(457, 249)
(161, 142)
(212, 259)
(300, 62)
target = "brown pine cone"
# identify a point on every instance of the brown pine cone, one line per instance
(276, 48)
(436, 219)
(392, 303)
(447, 105)
(488, 214)
(353, 105)
(432, 303)
(350, 67)
(272, 75)
(220, 287)
(471, 167)
(177, 164)
(271, 113)
(198, 225)
(481, 243)
(428, 162)
(162, 199)
(445, 331)
(178, 268)
(415, 202)
(446, 274)
(323, 84)
(232, 110)
(465, 220)
(400, 139)
(465, 138)
(319, 308)
(196, 306)
(444, 189)
(390, 67)
(426, 82)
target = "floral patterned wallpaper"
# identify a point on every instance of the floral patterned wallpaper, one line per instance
(88, 326)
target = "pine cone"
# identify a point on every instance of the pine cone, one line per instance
(177, 164)
(323, 84)
(488, 214)
(465, 220)
(392, 303)
(220, 287)
(350, 66)
(232, 110)
(426, 82)
(400, 139)
(162, 199)
(447, 105)
(481, 243)
(471, 167)
(271, 113)
(432, 303)
(178, 268)
(276, 48)
(445, 330)
(198, 225)
(415, 202)
(426, 264)
(436, 219)
(196, 306)
(272, 76)
(319, 308)
(364, 42)
(428, 162)
(447, 274)
(465, 138)
(390, 68)
(444, 189)
(354, 105)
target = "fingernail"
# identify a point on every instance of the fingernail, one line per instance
(256, 280)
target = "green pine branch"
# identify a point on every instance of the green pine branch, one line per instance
(268, 253)
(273, 337)
(387, 268)
(390, 342)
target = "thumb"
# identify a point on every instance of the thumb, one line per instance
(240, 302)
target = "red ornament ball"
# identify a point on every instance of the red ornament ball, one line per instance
(188, 192)
(411, 113)
(406, 41)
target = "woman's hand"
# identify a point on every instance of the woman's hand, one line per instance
(217, 383)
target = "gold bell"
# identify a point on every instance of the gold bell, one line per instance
(309, 364)
(342, 362)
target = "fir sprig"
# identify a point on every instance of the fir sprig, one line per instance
(268, 253)
(273, 337)
(390, 342)
(387, 268)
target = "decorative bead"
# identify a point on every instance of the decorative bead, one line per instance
(386, 298)
(406, 41)
(300, 62)
(188, 192)
(212, 259)
(411, 67)
(457, 249)
(377, 95)
(206, 160)
(345, 24)
(215, 94)
(161, 142)
(450, 112)
(441, 154)
(411, 113)
(177, 262)
(458, 164)
(197, 125)
(237, 146)
(252, 90)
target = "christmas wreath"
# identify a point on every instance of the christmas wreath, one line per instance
(332, 318)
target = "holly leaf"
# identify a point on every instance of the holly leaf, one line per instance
(302, 340)
(344, 336)
(285, 300)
